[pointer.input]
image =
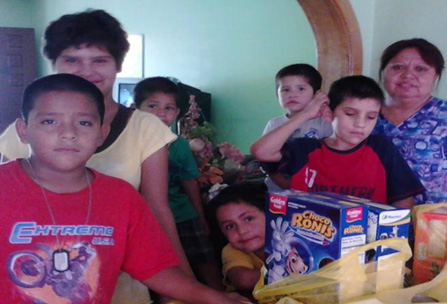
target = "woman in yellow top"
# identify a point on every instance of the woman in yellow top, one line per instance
(93, 45)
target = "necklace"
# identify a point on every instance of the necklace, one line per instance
(61, 259)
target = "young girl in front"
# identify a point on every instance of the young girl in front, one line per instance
(239, 211)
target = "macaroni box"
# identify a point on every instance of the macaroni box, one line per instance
(307, 231)
(430, 248)
(384, 221)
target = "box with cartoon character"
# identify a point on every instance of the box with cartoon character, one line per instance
(307, 231)
(384, 221)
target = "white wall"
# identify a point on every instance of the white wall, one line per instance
(403, 19)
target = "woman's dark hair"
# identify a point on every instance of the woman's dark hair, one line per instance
(93, 28)
(301, 69)
(357, 86)
(61, 83)
(428, 51)
(152, 85)
(254, 195)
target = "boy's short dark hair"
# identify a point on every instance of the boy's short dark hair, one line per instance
(428, 51)
(93, 28)
(61, 83)
(304, 70)
(357, 86)
(152, 85)
(253, 195)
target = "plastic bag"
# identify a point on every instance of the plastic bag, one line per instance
(342, 280)
(436, 290)
(288, 300)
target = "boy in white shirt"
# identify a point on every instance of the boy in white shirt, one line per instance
(296, 86)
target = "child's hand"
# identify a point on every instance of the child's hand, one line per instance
(233, 298)
(318, 106)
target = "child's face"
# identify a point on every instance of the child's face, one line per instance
(354, 119)
(161, 105)
(90, 62)
(294, 93)
(243, 225)
(63, 130)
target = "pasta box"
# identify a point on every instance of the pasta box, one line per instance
(384, 221)
(306, 231)
(430, 248)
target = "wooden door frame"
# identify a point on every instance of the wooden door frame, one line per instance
(337, 36)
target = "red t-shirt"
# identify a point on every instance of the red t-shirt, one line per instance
(121, 234)
(374, 169)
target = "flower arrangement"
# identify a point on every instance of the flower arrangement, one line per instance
(214, 161)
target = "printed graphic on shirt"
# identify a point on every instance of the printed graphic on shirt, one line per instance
(23, 232)
(34, 271)
(359, 174)
(315, 182)
(358, 191)
(313, 133)
(373, 169)
(309, 178)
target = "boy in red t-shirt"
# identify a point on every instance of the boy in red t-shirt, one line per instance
(351, 161)
(67, 230)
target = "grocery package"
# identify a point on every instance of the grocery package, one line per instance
(429, 292)
(384, 221)
(341, 281)
(306, 232)
(430, 248)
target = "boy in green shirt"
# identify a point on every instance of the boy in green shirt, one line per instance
(159, 96)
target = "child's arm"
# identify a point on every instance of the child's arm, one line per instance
(281, 180)
(406, 203)
(243, 278)
(268, 147)
(173, 282)
(154, 188)
(192, 189)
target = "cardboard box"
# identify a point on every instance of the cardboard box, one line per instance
(430, 249)
(384, 221)
(307, 231)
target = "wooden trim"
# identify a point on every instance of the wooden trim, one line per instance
(338, 38)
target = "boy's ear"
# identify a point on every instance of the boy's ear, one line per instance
(20, 125)
(105, 129)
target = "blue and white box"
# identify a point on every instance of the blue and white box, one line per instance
(384, 222)
(307, 231)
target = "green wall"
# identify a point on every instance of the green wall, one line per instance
(233, 48)
(17, 13)
(229, 48)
